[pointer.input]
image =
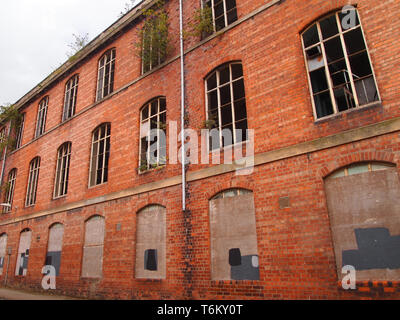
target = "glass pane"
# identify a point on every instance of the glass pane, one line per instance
(232, 16)
(358, 168)
(366, 91)
(219, 9)
(329, 27)
(225, 94)
(339, 73)
(163, 105)
(240, 110)
(344, 98)
(318, 80)
(333, 49)
(226, 115)
(237, 71)
(220, 23)
(354, 41)
(212, 82)
(241, 131)
(145, 113)
(212, 100)
(360, 65)
(227, 135)
(224, 75)
(238, 89)
(311, 37)
(154, 107)
(230, 4)
(323, 104)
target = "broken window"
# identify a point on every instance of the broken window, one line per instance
(71, 92)
(223, 12)
(234, 252)
(19, 133)
(226, 105)
(54, 247)
(41, 117)
(92, 265)
(105, 79)
(339, 68)
(151, 243)
(62, 170)
(32, 182)
(3, 251)
(100, 155)
(23, 253)
(153, 132)
(9, 195)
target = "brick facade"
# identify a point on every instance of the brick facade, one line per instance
(295, 245)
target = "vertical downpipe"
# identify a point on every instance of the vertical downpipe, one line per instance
(182, 106)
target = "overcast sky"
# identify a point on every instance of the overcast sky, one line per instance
(35, 34)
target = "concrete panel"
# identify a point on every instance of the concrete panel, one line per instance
(92, 263)
(56, 234)
(233, 226)
(151, 237)
(364, 210)
(94, 233)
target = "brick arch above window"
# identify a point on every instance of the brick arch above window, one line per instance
(151, 206)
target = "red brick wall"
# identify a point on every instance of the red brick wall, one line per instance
(295, 246)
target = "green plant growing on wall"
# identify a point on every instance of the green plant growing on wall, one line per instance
(202, 25)
(9, 114)
(154, 44)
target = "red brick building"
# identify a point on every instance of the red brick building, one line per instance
(319, 86)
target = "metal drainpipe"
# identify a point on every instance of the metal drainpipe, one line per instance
(182, 106)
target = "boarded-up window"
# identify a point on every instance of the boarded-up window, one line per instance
(23, 253)
(234, 253)
(363, 202)
(92, 266)
(150, 243)
(53, 256)
(3, 248)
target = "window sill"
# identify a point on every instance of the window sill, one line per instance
(339, 115)
(230, 147)
(60, 197)
(97, 185)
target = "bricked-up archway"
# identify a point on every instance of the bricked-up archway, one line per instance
(23, 252)
(151, 243)
(54, 247)
(364, 208)
(3, 249)
(234, 252)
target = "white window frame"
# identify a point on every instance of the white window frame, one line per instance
(211, 4)
(71, 92)
(145, 128)
(320, 44)
(94, 166)
(217, 88)
(34, 168)
(107, 60)
(62, 170)
(9, 196)
(41, 117)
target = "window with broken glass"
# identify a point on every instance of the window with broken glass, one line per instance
(226, 106)
(19, 133)
(62, 170)
(41, 117)
(223, 12)
(105, 79)
(71, 91)
(32, 182)
(153, 123)
(100, 155)
(339, 67)
(9, 196)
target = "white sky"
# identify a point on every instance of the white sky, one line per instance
(35, 34)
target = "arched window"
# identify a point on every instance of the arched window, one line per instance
(9, 195)
(23, 252)
(71, 92)
(62, 170)
(41, 117)
(151, 243)
(100, 155)
(3, 251)
(223, 12)
(363, 204)
(153, 124)
(33, 179)
(54, 246)
(19, 131)
(105, 79)
(92, 264)
(226, 105)
(340, 73)
(234, 252)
